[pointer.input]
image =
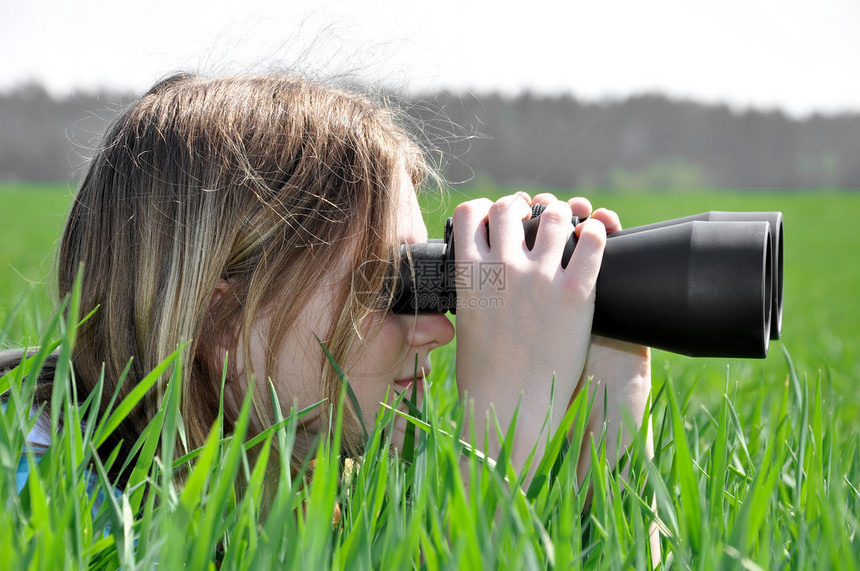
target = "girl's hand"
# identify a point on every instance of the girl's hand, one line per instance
(516, 334)
(620, 371)
(621, 381)
(609, 361)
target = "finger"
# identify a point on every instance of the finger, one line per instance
(580, 206)
(544, 198)
(588, 255)
(609, 218)
(553, 231)
(505, 218)
(525, 196)
(470, 234)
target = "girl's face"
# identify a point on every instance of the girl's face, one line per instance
(384, 355)
(387, 358)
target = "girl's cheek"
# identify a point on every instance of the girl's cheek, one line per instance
(385, 349)
(395, 331)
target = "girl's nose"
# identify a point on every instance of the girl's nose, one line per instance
(429, 329)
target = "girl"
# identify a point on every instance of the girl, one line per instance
(235, 216)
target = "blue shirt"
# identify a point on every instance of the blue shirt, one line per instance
(38, 441)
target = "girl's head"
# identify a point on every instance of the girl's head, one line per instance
(237, 218)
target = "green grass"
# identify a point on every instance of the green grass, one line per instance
(31, 220)
(757, 463)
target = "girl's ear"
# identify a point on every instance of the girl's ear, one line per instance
(222, 287)
(217, 337)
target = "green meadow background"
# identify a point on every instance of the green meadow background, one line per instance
(821, 318)
(756, 462)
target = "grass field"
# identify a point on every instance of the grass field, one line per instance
(757, 462)
(31, 220)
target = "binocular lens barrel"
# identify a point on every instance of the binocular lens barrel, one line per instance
(776, 250)
(708, 285)
(697, 288)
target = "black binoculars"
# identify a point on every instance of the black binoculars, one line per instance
(708, 285)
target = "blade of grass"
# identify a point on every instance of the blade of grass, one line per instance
(343, 379)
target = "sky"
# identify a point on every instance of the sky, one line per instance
(797, 56)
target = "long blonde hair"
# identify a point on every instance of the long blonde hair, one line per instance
(264, 183)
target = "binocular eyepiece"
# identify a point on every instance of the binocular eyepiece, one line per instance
(708, 285)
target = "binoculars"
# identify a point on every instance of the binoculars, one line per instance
(707, 285)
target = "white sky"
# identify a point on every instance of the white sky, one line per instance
(800, 56)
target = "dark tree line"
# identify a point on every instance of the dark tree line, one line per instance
(559, 142)
(644, 141)
(44, 139)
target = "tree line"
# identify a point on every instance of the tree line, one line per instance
(647, 141)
